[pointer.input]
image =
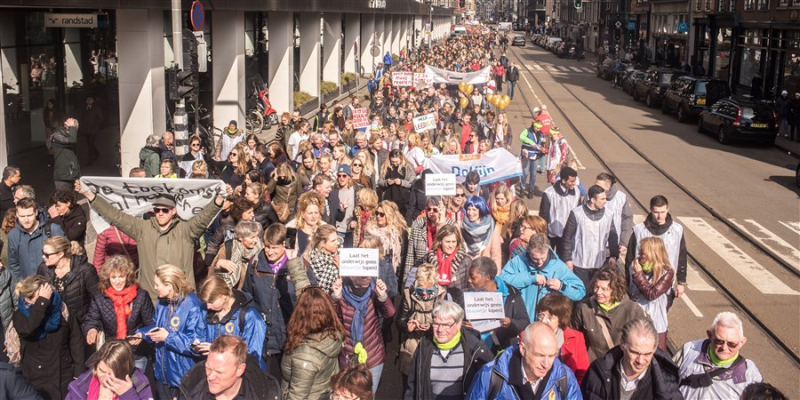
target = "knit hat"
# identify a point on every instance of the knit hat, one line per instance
(345, 169)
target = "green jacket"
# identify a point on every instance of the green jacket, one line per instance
(175, 246)
(308, 370)
(150, 160)
(67, 167)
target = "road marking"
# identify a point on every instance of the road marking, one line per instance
(748, 268)
(792, 226)
(588, 70)
(538, 67)
(772, 241)
(553, 68)
(576, 69)
(563, 68)
(691, 306)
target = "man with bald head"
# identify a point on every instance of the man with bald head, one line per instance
(530, 370)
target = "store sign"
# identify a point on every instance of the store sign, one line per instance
(377, 3)
(70, 20)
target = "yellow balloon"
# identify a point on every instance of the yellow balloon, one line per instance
(496, 100)
(506, 99)
(464, 102)
(503, 104)
(462, 86)
(490, 98)
(469, 88)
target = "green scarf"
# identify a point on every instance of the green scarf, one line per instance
(608, 308)
(449, 345)
(716, 361)
(647, 267)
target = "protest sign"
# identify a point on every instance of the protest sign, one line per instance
(486, 325)
(360, 118)
(440, 185)
(134, 196)
(422, 80)
(483, 305)
(492, 166)
(358, 262)
(424, 123)
(402, 78)
(438, 75)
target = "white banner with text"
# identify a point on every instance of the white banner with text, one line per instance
(492, 166)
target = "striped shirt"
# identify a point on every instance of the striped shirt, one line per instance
(447, 374)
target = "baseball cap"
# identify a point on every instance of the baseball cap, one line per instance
(345, 169)
(165, 200)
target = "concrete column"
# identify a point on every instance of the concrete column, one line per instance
(368, 36)
(228, 80)
(309, 53)
(389, 34)
(73, 56)
(380, 33)
(8, 61)
(332, 49)
(352, 34)
(396, 34)
(404, 33)
(281, 61)
(140, 45)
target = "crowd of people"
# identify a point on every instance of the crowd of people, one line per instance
(245, 299)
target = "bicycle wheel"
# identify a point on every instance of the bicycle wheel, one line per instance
(254, 122)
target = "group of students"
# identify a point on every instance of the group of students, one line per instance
(250, 285)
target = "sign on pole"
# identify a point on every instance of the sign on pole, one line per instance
(360, 118)
(402, 78)
(424, 123)
(440, 185)
(358, 262)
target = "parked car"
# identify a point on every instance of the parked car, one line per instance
(518, 40)
(605, 69)
(630, 79)
(740, 118)
(653, 87)
(551, 41)
(689, 96)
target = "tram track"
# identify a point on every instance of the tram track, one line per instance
(717, 283)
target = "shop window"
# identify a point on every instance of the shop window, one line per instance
(708, 5)
(750, 61)
(698, 6)
(791, 72)
(763, 5)
(749, 5)
(783, 3)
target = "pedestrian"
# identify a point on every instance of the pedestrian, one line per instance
(354, 381)
(11, 177)
(532, 150)
(63, 142)
(557, 202)
(652, 278)
(512, 76)
(480, 232)
(150, 156)
(558, 154)
(26, 239)
(91, 124)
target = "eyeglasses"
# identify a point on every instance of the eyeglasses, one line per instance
(436, 325)
(233, 154)
(526, 227)
(543, 317)
(160, 210)
(461, 195)
(357, 165)
(428, 291)
(433, 209)
(343, 176)
(720, 343)
(380, 214)
(47, 255)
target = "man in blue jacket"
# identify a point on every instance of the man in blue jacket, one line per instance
(387, 62)
(538, 272)
(529, 370)
(25, 241)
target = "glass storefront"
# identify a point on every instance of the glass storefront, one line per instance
(722, 54)
(791, 63)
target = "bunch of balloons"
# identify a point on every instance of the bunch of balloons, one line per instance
(500, 101)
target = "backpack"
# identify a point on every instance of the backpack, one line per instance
(242, 312)
(496, 383)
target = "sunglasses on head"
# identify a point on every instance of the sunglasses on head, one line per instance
(161, 210)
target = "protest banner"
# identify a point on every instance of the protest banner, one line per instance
(424, 123)
(483, 305)
(134, 196)
(422, 80)
(438, 75)
(360, 118)
(402, 78)
(486, 325)
(440, 185)
(358, 262)
(492, 166)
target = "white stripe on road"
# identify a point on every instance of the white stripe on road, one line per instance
(576, 69)
(538, 67)
(691, 306)
(563, 68)
(588, 70)
(792, 226)
(772, 241)
(552, 68)
(748, 268)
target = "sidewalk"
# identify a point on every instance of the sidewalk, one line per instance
(788, 145)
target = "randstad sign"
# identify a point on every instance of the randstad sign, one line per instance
(70, 20)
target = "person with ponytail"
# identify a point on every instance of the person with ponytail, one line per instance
(50, 350)
(119, 307)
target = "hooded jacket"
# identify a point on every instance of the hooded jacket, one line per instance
(255, 383)
(25, 249)
(79, 388)
(660, 381)
(308, 370)
(185, 322)
(274, 295)
(520, 272)
(586, 235)
(585, 319)
(501, 367)
(676, 246)
(66, 167)
(73, 224)
(79, 287)
(254, 326)
(150, 160)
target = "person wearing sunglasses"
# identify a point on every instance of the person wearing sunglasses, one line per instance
(414, 316)
(163, 239)
(423, 232)
(196, 152)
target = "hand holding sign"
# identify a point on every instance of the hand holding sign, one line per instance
(440, 185)
(358, 262)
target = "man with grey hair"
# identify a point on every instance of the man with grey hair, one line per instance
(713, 367)
(24, 192)
(150, 156)
(528, 370)
(636, 369)
(538, 271)
(360, 144)
(445, 363)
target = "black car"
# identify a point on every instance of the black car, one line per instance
(654, 85)
(689, 96)
(518, 40)
(630, 79)
(740, 118)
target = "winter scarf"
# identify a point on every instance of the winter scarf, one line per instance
(122, 309)
(449, 345)
(240, 256)
(360, 302)
(445, 270)
(324, 269)
(477, 234)
(390, 240)
(431, 228)
(52, 319)
(276, 267)
(501, 215)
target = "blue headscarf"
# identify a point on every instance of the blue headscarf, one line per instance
(360, 304)
(52, 318)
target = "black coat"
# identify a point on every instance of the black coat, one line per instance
(256, 384)
(14, 386)
(514, 309)
(659, 383)
(80, 286)
(101, 314)
(417, 201)
(73, 223)
(274, 295)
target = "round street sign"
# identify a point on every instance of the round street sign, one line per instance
(198, 15)
(375, 51)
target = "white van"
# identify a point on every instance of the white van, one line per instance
(504, 27)
(459, 30)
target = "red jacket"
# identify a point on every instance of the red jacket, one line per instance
(573, 353)
(466, 130)
(373, 339)
(545, 120)
(108, 244)
(499, 71)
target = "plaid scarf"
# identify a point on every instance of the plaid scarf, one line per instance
(324, 269)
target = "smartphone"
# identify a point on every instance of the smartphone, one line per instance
(291, 238)
(153, 330)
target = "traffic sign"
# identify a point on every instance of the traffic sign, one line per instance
(631, 26)
(618, 24)
(683, 27)
(375, 51)
(198, 15)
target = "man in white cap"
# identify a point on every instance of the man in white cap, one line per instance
(783, 104)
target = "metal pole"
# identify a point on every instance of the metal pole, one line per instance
(177, 54)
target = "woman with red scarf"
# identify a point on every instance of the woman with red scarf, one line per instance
(449, 258)
(119, 307)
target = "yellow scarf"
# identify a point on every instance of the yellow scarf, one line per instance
(501, 215)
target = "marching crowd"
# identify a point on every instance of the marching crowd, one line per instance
(245, 299)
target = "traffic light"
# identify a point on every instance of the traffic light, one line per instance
(462, 3)
(182, 84)
(578, 4)
(188, 80)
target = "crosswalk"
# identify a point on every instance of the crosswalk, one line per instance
(558, 69)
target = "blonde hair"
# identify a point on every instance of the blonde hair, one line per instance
(62, 244)
(503, 189)
(426, 273)
(199, 166)
(117, 264)
(367, 199)
(213, 288)
(243, 159)
(307, 199)
(321, 234)
(369, 168)
(28, 287)
(653, 248)
(372, 242)
(174, 276)
(455, 141)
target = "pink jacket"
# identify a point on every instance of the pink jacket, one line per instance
(108, 244)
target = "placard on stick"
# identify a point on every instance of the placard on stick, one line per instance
(440, 185)
(483, 305)
(358, 262)
(360, 118)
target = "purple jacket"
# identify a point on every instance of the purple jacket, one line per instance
(79, 388)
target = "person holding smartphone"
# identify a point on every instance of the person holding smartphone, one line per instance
(111, 374)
